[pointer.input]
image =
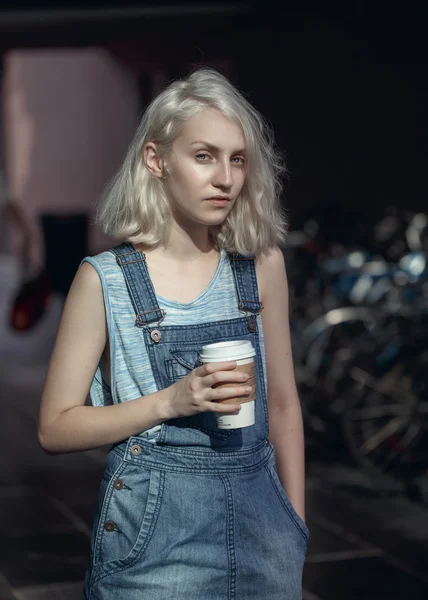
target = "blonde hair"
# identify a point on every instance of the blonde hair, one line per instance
(134, 206)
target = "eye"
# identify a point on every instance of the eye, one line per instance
(238, 160)
(203, 156)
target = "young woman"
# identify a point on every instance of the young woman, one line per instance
(186, 510)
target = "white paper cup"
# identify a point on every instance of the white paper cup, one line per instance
(243, 352)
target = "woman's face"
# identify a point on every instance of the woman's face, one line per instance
(207, 161)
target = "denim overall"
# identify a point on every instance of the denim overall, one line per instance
(200, 514)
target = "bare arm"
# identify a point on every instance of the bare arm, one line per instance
(65, 423)
(285, 415)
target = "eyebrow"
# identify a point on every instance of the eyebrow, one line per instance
(213, 148)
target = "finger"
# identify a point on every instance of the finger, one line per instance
(220, 378)
(229, 392)
(219, 407)
(209, 368)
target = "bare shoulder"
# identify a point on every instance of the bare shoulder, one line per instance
(83, 319)
(87, 276)
(84, 306)
(273, 290)
(270, 268)
(85, 300)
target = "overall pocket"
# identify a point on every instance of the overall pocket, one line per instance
(288, 507)
(130, 503)
(180, 363)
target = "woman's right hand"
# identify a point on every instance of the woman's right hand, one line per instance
(195, 393)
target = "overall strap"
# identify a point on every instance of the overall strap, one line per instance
(244, 272)
(140, 287)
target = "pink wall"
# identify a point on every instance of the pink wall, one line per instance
(70, 115)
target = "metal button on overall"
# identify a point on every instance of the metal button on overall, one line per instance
(118, 484)
(252, 323)
(109, 526)
(156, 335)
(136, 449)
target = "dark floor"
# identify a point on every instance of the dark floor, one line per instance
(363, 545)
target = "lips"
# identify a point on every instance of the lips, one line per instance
(224, 198)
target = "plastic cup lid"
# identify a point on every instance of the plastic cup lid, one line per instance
(224, 351)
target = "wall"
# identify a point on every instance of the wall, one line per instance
(69, 115)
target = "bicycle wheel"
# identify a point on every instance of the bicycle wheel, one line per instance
(327, 348)
(384, 422)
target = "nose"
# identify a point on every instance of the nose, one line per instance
(223, 175)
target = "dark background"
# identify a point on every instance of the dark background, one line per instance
(344, 86)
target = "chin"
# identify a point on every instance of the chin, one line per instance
(215, 222)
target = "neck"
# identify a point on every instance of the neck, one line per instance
(181, 247)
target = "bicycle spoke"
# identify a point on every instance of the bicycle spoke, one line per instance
(376, 412)
(388, 385)
(402, 445)
(380, 436)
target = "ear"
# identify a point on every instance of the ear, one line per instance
(153, 161)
